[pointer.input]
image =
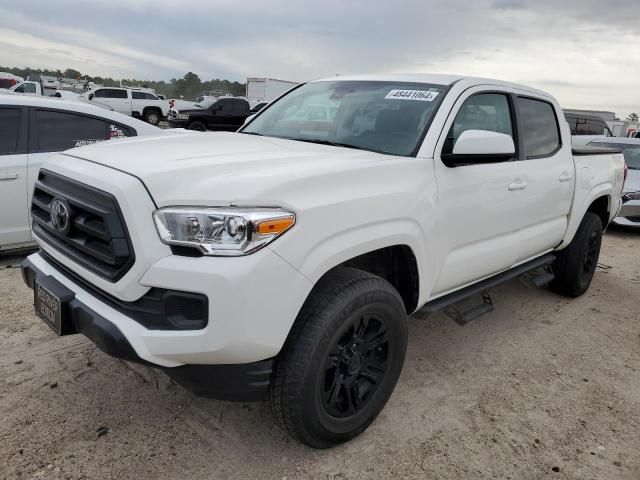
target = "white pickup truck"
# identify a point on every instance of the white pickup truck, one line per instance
(283, 259)
(131, 101)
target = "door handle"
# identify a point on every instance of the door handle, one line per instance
(565, 177)
(8, 176)
(517, 185)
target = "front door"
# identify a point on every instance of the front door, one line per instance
(224, 115)
(479, 204)
(14, 223)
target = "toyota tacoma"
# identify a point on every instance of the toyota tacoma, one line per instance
(282, 260)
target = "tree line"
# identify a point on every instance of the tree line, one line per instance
(189, 87)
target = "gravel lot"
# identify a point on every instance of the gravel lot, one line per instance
(543, 387)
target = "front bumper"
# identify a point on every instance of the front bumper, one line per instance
(240, 382)
(629, 214)
(177, 122)
(252, 303)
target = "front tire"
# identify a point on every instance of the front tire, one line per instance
(152, 117)
(341, 360)
(575, 265)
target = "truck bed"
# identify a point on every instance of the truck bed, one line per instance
(589, 150)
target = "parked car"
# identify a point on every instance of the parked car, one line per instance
(226, 113)
(28, 88)
(585, 128)
(129, 101)
(629, 215)
(283, 259)
(8, 80)
(31, 129)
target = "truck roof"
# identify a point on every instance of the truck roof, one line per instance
(432, 78)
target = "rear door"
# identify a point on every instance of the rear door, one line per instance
(550, 174)
(14, 223)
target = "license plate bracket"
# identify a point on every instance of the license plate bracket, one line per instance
(51, 303)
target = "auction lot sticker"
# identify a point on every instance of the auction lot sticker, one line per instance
(419, 95)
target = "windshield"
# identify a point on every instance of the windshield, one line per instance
(631, 152)
(385, 117)
(207, 102)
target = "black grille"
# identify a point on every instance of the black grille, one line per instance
(97, 237)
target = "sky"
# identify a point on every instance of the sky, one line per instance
(584, 52)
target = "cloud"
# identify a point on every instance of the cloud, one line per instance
(565, 48)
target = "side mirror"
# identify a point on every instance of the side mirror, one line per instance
(91, 96)
(248, 119)
(481, 146)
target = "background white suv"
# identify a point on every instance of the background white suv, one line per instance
(31, 129)
(127, 101)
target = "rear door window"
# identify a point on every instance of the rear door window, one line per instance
(540, 130)
(55, 131)
(9, 130)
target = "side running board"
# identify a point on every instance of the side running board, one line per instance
(463, 317)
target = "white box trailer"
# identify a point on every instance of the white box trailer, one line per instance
(266, 89)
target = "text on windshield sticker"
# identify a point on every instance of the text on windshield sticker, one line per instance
(418, 95)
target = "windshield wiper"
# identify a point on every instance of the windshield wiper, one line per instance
(320, 141)
(253, 133)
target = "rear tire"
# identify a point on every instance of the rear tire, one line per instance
(198, 126)
(152, 117)
(575, 265)
(341, 360)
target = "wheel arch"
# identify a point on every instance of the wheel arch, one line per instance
(598, 200)
(145, 110)
(601, 206)
(396, 263)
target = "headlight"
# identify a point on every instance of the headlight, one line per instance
(222, 231)
(631, 196)
(183, 116)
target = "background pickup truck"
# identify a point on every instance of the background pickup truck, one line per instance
(132, 102)
(283, 259)
(226, 113)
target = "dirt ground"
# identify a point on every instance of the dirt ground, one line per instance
(543, 387)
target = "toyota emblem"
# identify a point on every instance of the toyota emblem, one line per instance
(60, 215)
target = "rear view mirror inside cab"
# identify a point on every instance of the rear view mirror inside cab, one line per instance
(480, 146)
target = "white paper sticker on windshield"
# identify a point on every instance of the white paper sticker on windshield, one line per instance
(419, 95)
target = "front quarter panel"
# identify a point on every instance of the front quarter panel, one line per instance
(345, 215)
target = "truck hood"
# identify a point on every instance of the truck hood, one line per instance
(191, 110)
(225, 168)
